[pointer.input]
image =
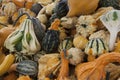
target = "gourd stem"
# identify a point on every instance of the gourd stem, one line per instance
(21, 16)
(3, 24)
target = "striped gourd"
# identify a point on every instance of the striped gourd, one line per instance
(96, 47)
(25, 38)
(27, 67)
(50, 42)
(66, 44)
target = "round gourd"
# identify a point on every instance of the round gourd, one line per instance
(76, 56)
(9, 9)
(80, 42)
(96, 47)
(27, 67)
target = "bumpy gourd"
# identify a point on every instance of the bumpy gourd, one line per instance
(86, 25)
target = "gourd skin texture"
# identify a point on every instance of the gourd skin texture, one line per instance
(79, 7)
(50, 41)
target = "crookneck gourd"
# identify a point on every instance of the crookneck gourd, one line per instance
(95, 70)
(26, 39)
(95, 47)
(51, 40)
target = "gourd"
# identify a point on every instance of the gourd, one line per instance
(75, 55)
(50, 41)
(26, 38)
(27, 67)
(95, 70)
(76, 7)
(59, 11)
(80, 42)
(86, 25)
(24, 3)
(9, 9)
(66, 44)
(95, 47)
(106, 3)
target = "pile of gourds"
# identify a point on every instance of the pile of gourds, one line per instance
(59, 39)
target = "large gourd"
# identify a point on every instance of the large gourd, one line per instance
(25, 39)
(51, 40)
(79, 7)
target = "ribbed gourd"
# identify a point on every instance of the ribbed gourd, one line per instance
(96, 47)
(60, 10)
(107, 3)
(51, 40)
(66, 44)
(26, 38)
(27, 67)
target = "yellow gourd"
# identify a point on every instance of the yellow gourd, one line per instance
(80, 42)
(78, 7)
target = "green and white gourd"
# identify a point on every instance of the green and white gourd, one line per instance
(96, 47)
(23, 40)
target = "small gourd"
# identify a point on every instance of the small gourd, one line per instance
(51, 41)
(66, 44)
(79, 7)
(86, 25)
(80, 42)
(75, 55)
(95, 47)
(27, 67)
(9, 9)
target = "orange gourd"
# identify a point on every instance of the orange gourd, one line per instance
(24, 3)
(95, 70)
